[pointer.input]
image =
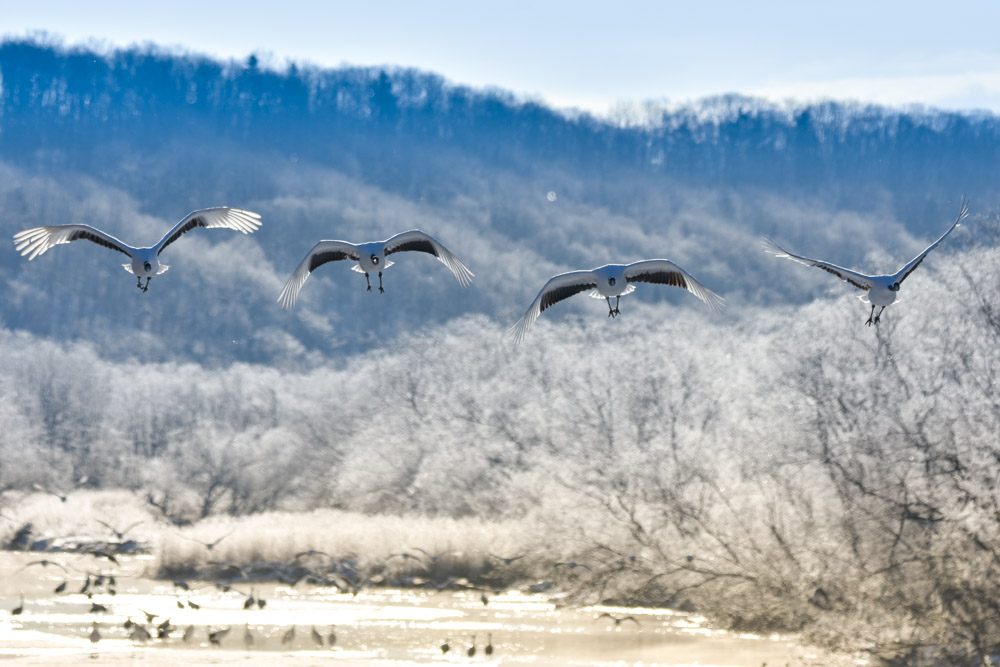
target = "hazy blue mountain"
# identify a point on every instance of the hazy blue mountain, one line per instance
(132, 140)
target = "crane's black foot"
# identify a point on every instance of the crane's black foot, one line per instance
(616, 312)
(381, 290)
(145, 289)
(869, 321)
(877, 318)
(369, 288)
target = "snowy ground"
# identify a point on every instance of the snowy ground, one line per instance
(378, 627)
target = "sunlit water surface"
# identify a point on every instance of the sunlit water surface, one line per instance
(377, 627)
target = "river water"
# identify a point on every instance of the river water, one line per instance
(377, 627)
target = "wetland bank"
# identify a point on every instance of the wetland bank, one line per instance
(378, 626)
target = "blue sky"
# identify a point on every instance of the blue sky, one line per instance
(586, 55)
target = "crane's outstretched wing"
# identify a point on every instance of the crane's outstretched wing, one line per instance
(322, 252)
(665, 272)
(418, 241)
(34, 242)
(859, 280)
(901, 275)
(555, 290)
(220, 216)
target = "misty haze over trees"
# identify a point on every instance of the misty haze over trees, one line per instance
(778, 466)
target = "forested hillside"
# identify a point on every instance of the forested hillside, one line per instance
(130, 141)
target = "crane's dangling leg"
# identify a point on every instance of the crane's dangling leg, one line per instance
(381, 290)
(368, 281)
(879, 316)
(870, 316)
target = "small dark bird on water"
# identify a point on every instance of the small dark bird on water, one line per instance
(433, 558)
(208, 545)
(248, 637)
(44, 563)
(289, 636)
(572, 565)
(332, 637)
(103, 553)
(19, 609)
(618, 621)
(489, 644)
(95, 634)
(119, 534)
(506, 560)
(215, 638)
(445, 647)
(61, 496)
(188, 634)
(164, 629)
(316, 636)
(472, 649)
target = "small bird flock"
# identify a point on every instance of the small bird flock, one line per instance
(604, 282)
(126, 604)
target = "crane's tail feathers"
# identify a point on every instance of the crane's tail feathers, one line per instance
(595, 294)
(357, 267)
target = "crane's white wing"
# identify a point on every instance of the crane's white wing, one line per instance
(322, 252)
(418, 241)
(220, 216)
(34, 242)
(859, 280)
(665, 272)
(555, 290)
(901, 275)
